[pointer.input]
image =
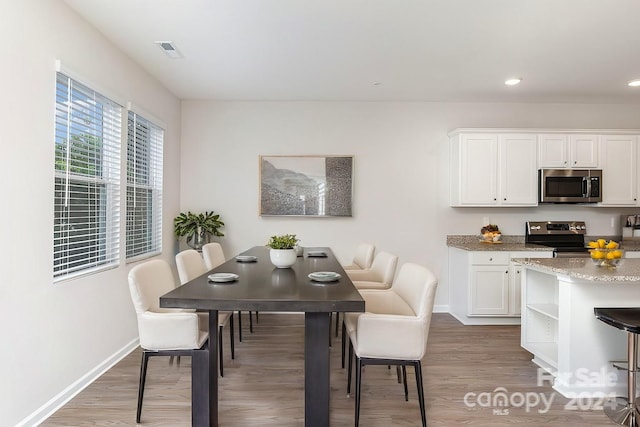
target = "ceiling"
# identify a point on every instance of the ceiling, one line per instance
(575, 51)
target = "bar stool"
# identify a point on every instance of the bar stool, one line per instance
(624, 411)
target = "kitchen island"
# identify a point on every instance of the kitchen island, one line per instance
(559, 327)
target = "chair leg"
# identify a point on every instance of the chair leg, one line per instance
(337, 322)
(349, 370)
(257, 318)
(143, 376)
(404, 380)
(232, 338)
(397, 373)
(418, 369)
(250, 322)
(240, 326)
(358, 388)
(344, 333)
(220, 351)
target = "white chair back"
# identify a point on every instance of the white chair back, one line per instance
(364, 255)
(190, 265)
(416, 285)
(147, 282)
(213, 255)
(384, 266)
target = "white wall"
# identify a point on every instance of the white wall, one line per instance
(53, 335)
(401, 170)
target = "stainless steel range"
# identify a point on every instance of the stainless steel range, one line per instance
(566, 237)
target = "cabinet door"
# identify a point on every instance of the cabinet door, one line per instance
(518, 170)
(618, 158)
(489, 291)
(478, 169)
(583, 151)
(553, 151)
(515, 293)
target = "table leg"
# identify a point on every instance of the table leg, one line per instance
(204, 379)
(317, 331)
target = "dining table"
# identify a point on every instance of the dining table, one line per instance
(258, 285)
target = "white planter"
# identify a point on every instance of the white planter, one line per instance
(283, 258)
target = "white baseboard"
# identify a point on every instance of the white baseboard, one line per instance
(46, 410)
(441, 308)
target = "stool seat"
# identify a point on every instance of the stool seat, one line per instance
(625, 318)
(624, 411)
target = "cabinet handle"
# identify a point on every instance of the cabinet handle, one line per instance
(505, 199)
(506, 272)
(494, 199)
(490, 259)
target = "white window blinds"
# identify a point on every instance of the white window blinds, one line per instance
(87, 180)
(144, 187)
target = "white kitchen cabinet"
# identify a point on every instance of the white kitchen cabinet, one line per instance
(619, 163)
(489, 284)
(493, 170)
(558, 151)
(485, 285)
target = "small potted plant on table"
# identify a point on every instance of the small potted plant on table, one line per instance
(283, 250)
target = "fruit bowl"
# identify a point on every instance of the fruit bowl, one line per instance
(603, 257)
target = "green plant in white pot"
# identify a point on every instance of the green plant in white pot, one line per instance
(283, 250)
(197, 228)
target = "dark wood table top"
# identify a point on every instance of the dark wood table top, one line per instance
(263, 287)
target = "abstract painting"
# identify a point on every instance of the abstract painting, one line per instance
(306, 185)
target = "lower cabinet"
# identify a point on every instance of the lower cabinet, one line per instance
(485, 285)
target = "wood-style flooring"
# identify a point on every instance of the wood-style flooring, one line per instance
(264, 385)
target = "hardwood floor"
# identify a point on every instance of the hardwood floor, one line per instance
(263, 386)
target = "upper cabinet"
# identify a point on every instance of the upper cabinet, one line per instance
(559, 151)
(499, 167)
(491, 169)
(619, 163)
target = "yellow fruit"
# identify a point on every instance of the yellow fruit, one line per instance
(602, 243)
(612, 245)
(597, 254)
(609, 255)
(616, 254)
(593, 244)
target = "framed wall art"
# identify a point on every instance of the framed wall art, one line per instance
(306, 185)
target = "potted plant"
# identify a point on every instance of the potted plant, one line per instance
(283, 250)
(197, 228)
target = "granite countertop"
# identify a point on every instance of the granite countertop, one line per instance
(508, 243)
(583, 268)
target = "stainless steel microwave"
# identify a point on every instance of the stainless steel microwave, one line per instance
(570, 185)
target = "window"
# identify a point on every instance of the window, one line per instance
(144, 187)
(87, 180)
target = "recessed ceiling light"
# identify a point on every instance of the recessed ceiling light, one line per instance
(512, 82)
(169, 49)
(634, 83)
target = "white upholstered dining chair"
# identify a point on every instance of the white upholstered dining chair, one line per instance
(394, 329)
(162, 331)
(362, 258)
(214, 256)
(379, 276)
(191, 265)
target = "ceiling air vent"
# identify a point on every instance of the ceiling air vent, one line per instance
(169, 49)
